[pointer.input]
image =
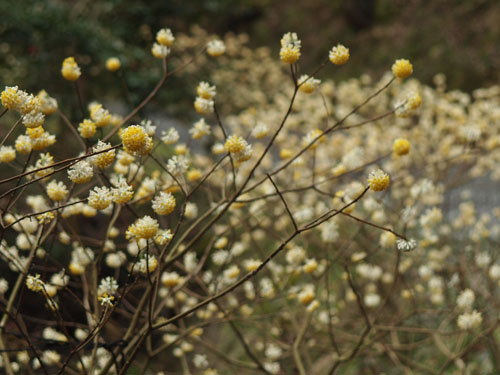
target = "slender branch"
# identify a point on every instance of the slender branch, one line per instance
(69, 160)
(11, 130)
(296, 344)
(284, 203)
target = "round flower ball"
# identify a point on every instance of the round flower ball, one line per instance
(113, 64)
(70, 69)
(402, 68)
(401, 146)
(378, 180)
(134, 138)
(339, 55)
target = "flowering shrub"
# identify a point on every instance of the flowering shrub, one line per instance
(301, 226)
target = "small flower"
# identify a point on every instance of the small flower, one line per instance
(34, 283)
(232, 272)
(170, 136)
(204, 106)
(405, 245)
(234, 144)
(252, 264)
(33, 119)
(289, 54)
(469, 320)
(163, 237)
(308, 84)
(48, 105)
(199, 129)
(45, 218)
(100, 116)
(311, 136)
(378, 180)
(148, 266)
(406, 107)
(465, 299)
(402, 68)
(40, 138)
(205, 91)
(99, 198)
(23, 144)
(87, 128)
(216, 48)
(372, 300)
(12, 97)
(35, 132)
(145, 227)
(243, 155)
(81, 172)
(177, 165)
(307, 295)
(70, 69)
(260, 130)
(124, 158)
(401, 146)
(165, 37)
(57, 191)
(107, 286)
(148, 127)
(103, 159)
(181, 149)
(122, 192)
(159, 51)
(290, 48)
(106, 300)
(116, 260)
(7, 154)
(43, 161)
(113, 64)
(193, 175)
(310, 266)
(170, 279)
(164, 203)
(339, 55)
(136, 140)
(414, 101)
(29, 104)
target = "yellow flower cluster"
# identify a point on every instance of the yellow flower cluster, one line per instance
(290, 48)
(401, 146)
(87, 128)
(100, 198)
(103, 159)
(70, 69)
(339, 55)
(135, 140)
(143, 228)
(113, 64)
(402, 68)
(57, 191)
(164, 203)
(234, 144)
(378, 180)
(216, 48)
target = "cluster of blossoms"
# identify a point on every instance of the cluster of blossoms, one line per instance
(164, 40)
(135, 140)
(343, 227)
(204, 102)
(290, 48)
(70, 69)
(238, 148)
(33, 110)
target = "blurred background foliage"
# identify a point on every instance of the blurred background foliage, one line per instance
(460, 38)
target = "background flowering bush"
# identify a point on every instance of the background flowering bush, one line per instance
(300, 225)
